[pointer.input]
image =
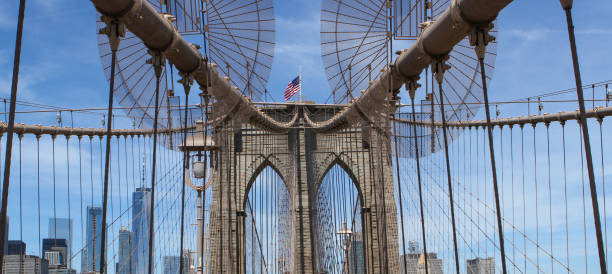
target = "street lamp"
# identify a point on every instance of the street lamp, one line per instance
(198, 143)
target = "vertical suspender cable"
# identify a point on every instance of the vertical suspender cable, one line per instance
(21, 252)
(567, 6)
(9, 132)
(113, 30)
(157, 62)
(186, 81)
(482, 38)
(439, 68)
(413, 87)
(603, 184)
(565, 196)
(206, 97)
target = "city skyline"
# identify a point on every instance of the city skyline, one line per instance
(56, 251)
(480, 266)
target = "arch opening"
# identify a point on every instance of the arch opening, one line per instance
(340, 241)
(268, 224)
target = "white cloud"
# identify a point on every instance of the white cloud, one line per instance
(6, 21)
(29, 78)
(529, 35)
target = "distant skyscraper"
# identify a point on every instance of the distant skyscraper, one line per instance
(62, 271)
(124, 266)
(481, 266)
(90, 258)
(61, 228)
(27, 264)
(415, 262)
(413, 247)
(6, 234)
(356, 254)
(141, 212)
(16, 247)
(55, 251)
(172, 264)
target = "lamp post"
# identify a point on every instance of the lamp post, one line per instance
(198, 143)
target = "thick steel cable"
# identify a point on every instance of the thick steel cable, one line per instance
(205, 129)
(229, 204)
(11, 125)
(54, 189)
(418, 167)
(108, 149)
(523, 198)
(187, 88)
(399, 188)
(68, 194)
(603, 184)
(552, 269)
(565, 196)
(157, 64)
(219, 217)
(21, 251)
(567, 6)
(500, 229)
(535, 184)
(448, 172)
(584, 225)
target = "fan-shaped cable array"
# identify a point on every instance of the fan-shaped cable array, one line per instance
(135, 79)
(353, 44)
(462, 85)
(238, 36)
(241, 41)
(356, 42)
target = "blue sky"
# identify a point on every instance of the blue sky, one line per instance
(60, 65)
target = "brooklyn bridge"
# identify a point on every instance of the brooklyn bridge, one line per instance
(410, 163)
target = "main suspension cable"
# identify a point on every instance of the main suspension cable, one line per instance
(114, 29)
(438, 67)
(158, 63)
(567, 6)
(412, 90)
(480, 38)
(187, 81)
(9, 136)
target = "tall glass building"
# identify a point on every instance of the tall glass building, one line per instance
(61, 228)
(90, 258)
(141, 213)
(172, 264)
(55, 251)
(124, 266)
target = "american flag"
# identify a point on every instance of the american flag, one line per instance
(293, 88)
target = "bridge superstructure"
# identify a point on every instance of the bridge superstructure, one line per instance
(372, 140)
(302, 157)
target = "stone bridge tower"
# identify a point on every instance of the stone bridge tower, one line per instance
(302, 158)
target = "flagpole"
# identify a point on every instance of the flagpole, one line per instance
(300, 80)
